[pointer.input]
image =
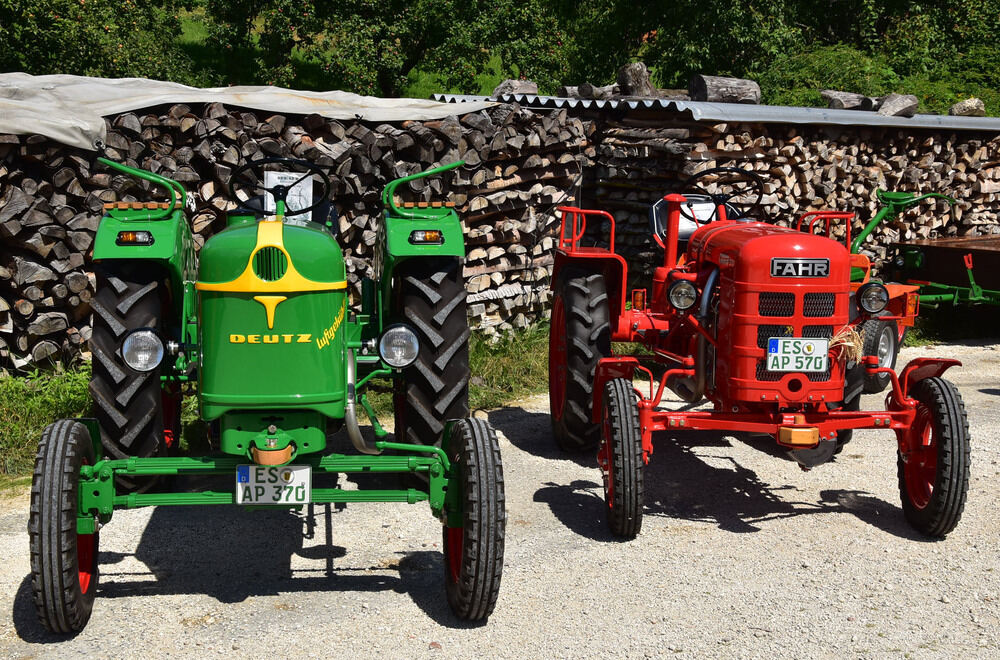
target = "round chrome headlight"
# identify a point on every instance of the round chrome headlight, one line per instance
(873, 297)
(142, 350)
(398, 346)
(682, 294)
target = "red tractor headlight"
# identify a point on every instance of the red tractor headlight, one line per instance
(682, 295)
(872, 297)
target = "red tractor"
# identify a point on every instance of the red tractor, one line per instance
(763, 322)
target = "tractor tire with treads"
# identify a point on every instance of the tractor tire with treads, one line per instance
(934, 473)
(621, 459)
(128, 404)
(430, 298)
(64, 564)
(473, 553)
(881, 339)
(580, 336)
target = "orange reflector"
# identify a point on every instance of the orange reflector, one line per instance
(426, 236)
(134, 238)
(912, 302)
(639, 299)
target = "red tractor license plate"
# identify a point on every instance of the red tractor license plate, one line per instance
(797, 354)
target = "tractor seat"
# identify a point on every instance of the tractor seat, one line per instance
(699, 206)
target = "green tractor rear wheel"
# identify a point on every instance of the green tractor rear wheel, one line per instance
(473, 553)
(64, 567)
(128, 404)
(430, 298)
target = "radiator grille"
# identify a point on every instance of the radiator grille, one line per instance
(774, 303)
(270, 264)
(765, 332)
(818, 304)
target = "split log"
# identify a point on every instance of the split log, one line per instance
(723, 90)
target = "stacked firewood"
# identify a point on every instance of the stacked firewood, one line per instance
(804, 169)
(519, 166)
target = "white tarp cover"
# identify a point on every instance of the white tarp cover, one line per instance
(70, 109)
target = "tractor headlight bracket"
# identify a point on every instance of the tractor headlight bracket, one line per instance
(398, 347)
(142, 350)
(872, 297)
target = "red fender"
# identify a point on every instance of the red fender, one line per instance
(918, 369)
(607, 369)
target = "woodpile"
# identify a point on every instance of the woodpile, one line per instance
(804, 168)
(519, 166)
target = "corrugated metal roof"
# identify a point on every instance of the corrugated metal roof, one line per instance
(741, 112)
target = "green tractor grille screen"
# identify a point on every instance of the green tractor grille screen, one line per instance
(269, 264)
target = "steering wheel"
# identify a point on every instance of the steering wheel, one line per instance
(280, 191)
(747, 188)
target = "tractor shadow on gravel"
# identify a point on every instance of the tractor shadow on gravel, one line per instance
(531, 432)
(685, 480)
(230, 554)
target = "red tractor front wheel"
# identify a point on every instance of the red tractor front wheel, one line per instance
(934, 466)
(620, 459)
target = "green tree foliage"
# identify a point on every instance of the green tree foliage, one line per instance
(369, 46)
(109, 38)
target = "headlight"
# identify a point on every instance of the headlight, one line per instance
(398, 346)
(873, 297)
(142, 350)
(682, 294)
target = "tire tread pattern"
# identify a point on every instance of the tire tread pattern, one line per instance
(474, 449)
(588, 339)
(625, 509)
(435, 388)
(61, 607)
(951, 483)
(127, 403)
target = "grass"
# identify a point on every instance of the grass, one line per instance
(503, 371)
(30, 403)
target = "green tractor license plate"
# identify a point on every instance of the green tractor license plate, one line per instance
(268, 484)
(797, 354)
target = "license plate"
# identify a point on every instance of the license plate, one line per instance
(266, 484)
(797, 354)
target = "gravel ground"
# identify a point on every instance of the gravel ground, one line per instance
(741, 554)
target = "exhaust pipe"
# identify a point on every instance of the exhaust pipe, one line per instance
(351, 411)
(692, 390)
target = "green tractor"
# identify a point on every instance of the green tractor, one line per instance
(260, 328)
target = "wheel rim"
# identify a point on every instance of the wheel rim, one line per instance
(557, 359)
(885, 347)
(85, 551)
(605, 458)
(920, 469)
(455, 540)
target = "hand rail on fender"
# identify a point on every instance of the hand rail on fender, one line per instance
(175, 189)
(389, 191)
(577, 215)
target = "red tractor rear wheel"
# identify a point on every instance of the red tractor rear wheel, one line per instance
(934, 469)
(881, 340)
(620, 459)
(580, 337)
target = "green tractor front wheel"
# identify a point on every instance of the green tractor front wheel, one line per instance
(473, 553)
(64, 567)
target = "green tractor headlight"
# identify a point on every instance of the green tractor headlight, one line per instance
(142, 349)
(398, 346)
